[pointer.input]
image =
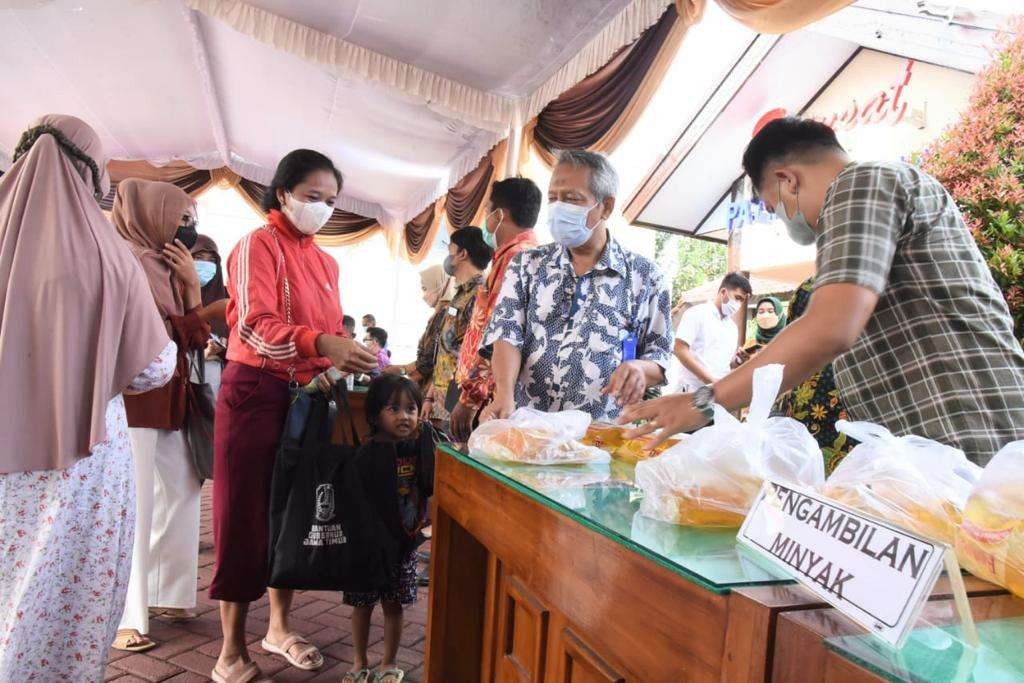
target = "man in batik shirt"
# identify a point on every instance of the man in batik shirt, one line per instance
(582, 323)
(508, 228)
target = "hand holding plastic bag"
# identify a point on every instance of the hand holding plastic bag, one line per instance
(712, 478)
(990, 541)
(916, 483)
(534, 437)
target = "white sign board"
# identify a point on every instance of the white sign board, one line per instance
(875, 573)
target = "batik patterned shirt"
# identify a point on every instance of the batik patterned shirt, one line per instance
(570, 329)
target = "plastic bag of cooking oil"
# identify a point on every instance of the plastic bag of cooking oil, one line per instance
(612, 438)
(712, 478)
(534, 437)
(916, 483)
(990, 540)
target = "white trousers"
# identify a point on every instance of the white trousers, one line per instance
(166, 551)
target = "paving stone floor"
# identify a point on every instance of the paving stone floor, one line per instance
(188, 651)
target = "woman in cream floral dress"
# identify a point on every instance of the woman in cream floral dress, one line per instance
(77, 328)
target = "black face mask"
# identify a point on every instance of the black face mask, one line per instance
(187, 235)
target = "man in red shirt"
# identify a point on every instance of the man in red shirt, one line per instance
(508, 229)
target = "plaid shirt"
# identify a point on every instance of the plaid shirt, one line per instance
(938, 357)
(474, 370)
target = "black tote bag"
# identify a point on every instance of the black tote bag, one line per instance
(324, 531)
(199, 415)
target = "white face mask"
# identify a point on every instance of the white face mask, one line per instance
(307, 217)
(729, 307)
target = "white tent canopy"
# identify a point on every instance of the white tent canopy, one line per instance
(406, 97)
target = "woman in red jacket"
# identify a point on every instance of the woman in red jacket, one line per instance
(286, 325)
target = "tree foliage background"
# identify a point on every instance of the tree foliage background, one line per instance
(980, 159)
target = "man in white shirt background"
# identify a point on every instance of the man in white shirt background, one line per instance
(709, 335)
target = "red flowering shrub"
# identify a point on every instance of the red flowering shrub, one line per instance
(980, 159)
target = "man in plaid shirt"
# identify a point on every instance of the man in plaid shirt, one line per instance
(904, 306)
(514, 206)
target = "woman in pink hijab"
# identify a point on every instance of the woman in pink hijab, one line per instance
(158, 221)
(77, 329)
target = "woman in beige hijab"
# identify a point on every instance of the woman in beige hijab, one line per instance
(158, 220)
(437, 290)
(77, 328)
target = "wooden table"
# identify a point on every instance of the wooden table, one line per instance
(572, 585)
(342, 429)
(800, 653)
(999, 656)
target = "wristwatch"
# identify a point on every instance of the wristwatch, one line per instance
(704, 400)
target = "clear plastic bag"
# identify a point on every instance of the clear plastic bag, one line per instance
(534, 437)
(712, 478)
(990, 540)
(916, 483)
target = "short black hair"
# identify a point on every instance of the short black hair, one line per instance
(292, 170)
(373, 319)
(379, 334)
(471, 239)
(348, 322)
(735, 280)
(520, 197)
(383, 391)
(782, 137)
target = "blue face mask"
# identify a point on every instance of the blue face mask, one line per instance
(490, 231)
(797, 227)
(568, 224)
(206, 272)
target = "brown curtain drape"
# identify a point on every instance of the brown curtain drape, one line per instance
(192, 180)
(342, 228)
(779, 16)
(598, 111)
(465, 198)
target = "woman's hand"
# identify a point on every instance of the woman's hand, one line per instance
(347, 355)
(179, 260)
(428, 406)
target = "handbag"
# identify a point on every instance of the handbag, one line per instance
(199, 412)
(324, 531)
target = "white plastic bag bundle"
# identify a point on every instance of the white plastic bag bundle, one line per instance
(713, 478)
(916, 483)
(990, 541)
(534, 437)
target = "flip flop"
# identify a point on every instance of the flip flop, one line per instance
(248, 673)
(397, 674)
(175, 615)
(283, 650)
(124, 635)
(361, 676)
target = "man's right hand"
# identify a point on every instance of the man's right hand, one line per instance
(462, 421)
(498, 409)
(347, 355)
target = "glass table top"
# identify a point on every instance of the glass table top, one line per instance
(605, 499)
(938, 654)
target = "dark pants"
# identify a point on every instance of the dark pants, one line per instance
(251, 409)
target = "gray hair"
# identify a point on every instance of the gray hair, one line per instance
(604, 181)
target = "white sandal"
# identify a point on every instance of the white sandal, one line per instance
(291, 641)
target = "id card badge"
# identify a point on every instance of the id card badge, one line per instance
(629, 347)
(452, 311)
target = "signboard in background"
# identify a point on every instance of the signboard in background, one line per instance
(873, 572)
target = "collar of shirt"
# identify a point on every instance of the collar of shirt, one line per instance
(285, 229)
(612, 259)
(471, 283)
(524, 236)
